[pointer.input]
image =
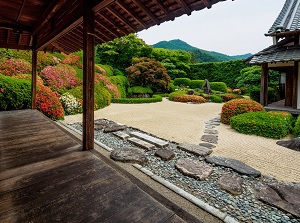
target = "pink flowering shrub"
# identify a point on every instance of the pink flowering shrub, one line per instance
(60, 78)
(11, 67)
(105, 81)
(99, 69)
(71, 59)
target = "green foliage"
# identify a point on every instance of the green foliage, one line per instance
(196, 84)
(122, 84)
(173, 94)
(171, 56)
(171, 87)
(297, 127)
(182, 82)
(79, 72)
(119, 52)
(141, 90)
(117, 72)
(11, 67)
(150, 73)
(109, 71)
(219, 86)
(238, 106)
(175, 73)
(272, 96)
(14, 93)
(227, 71)
(268, 124)
(155, 98)
(215, 98)
(229, 96)
(250, 78)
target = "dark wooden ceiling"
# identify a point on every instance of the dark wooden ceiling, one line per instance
(57, 24)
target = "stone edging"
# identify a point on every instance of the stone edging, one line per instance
(206, 207)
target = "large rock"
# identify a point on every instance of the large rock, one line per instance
(283, 196)
(207, 145)
(157, 142)
(232, 184)
(195, 149)
(121, 135)
(210, 138)
(141, 143)
(293, 144)
(236, 165)
(114, 128)
(165, 154)
(129, 155)
(193, 168)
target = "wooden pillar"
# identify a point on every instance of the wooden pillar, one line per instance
(88, 76)
(264, 85)
(33, 75)
(295, 85)
(289, 88)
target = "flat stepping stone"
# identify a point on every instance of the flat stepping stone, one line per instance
(210, 138)
(121, 135)
(210, 131)
(293, 144)
(114, 128)
(157, 142)
(210, 126)
(285, 197)
(207, 145)
(212, 123)
(231, 184)
(193, 168)
(129, 155)
(141, 143)
(195, 149)
(236, 165)
(165, 154)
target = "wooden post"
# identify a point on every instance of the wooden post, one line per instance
(264, 85)
(289, 88)
(295, 85)
(88, 76)
(33, 75)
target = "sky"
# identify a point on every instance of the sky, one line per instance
(230, 27)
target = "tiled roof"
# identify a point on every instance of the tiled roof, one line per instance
(269, 55)
(288, 19)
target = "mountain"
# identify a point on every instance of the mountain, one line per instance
(199, 54)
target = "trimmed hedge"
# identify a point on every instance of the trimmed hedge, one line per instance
(238, 106)
(188, 98)
(219, 86)
(215, 98)
(229, 96)
(14, 93)
(196, 84)
(272, 97)
(268, 124)
(140, 90)
(182, 82)
(122, 84)
(172, 95)
(155, 98)
(297, 127)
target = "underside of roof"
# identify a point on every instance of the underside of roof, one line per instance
(288, 20)
(57, 25)
(272, 55)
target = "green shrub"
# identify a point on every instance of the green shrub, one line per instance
(219, 86)
(79, 72)
(14, 93)
(117, 72)
(155, 98)
(122, 84)
(238, 106)
(172, 95)
(108, 70)
(268, 124)
(188, 98)
(141, 90)
(171, 87)
(196, 84)
(297, 127)
(215, 98)
(229, 96)
(182, 82)
(272, 97)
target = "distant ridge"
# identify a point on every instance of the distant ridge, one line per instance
(199, 54)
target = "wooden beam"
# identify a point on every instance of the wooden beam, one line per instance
(88, 76)
(121, 18)
(146, 11)
(295, 85)
(61, 49)
(50, 11)
(264, 85)
(163, 8)
(102, 5)
(131, 13)
(17, 25)
(8, 36)
(33, 76)
(20, 39)
(184, 6)
(114, 24)
(20, 11)
(98, 23)
(14, 46)
(207, 3)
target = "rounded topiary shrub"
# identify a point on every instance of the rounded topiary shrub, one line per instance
(219, 86)
(182, 82)
(230, 96)
(188, 98)
(268, 124)
(238, 106)
(215, 98)
(196, 84)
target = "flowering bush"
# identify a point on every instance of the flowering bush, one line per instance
(237, 91)
(105, 81)
(60, 78)
(99, 69)
(188, 98)
(229, 90)
(70, 104)
(238, 106)
(230, 96)
(39, 80)
(71, 59)
(44, 60)
(11, 67)
(268, 124)
(48, 102)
